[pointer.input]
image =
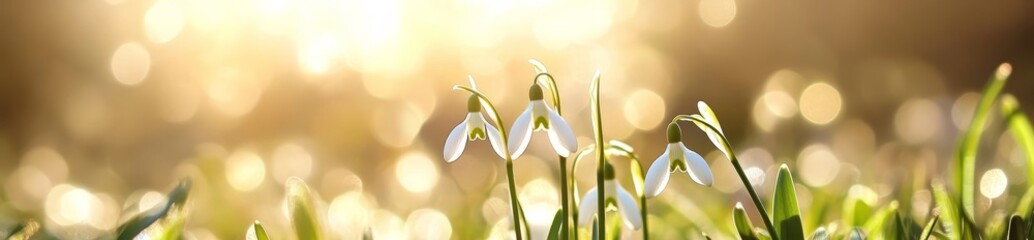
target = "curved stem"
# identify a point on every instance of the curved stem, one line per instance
(554, 92)
(739, 170)
(578, 156)
(514, 204)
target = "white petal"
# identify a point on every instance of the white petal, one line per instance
(699, 171)
(658, 175)
(520, 134)
(629, 209)
(456, 142)
(496, 140)
(588, 208)
(561, 136)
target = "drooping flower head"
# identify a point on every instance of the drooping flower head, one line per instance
(616, 195)
(538, 116)
(472, 128)
(676, 158)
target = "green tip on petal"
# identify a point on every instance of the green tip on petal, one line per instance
(535, 93)
(473, 104)
(674, 133)
(608, 172)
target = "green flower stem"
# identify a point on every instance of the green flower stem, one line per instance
(578, 156)
(637, 178)
(970, 143)
(514, 204)
(739, 171)
(598, 133)
(550, 83)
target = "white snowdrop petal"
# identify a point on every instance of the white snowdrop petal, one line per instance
(657, 176)
(699, 171)
(520, 134)
(629, 209)
(561, 135)
(456, 142)
(496, 140)
(587, 209)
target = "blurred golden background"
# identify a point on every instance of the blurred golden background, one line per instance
(105, 104)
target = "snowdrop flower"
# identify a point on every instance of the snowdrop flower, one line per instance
(538, 117)
(472, 128)
(624, 201)
(676, 158)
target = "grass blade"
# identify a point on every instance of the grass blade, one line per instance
(879, 220)
(554, 229)
(256, 232)
(743, 225)
(1020, 127)
(1017, 229)
(303, 214)
(786, 215)
(967, 149)
(137, 224)
(930, 225)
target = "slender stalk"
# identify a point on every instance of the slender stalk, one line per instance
(513, 199)
(739, 171)
(564, 203)
(598, 130)
(578, 156)
(550, 82)
(514, 204)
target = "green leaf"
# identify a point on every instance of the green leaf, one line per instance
(137, 224)
(554, 229)
(786, 215)
(743, 225)
(1017, 228)
(894, 228)
(1026, 204)
(858, 205)
(967, 149)
(1020, 127)
(930, 225)
(958, 226)
(173, 224)
(879, 220)
(300, 205)
(615, 227)
(256, 232)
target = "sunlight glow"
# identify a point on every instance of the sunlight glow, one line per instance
(245, 170)
(163, 21)
(717, 13)
(644, 109)
(416, 172)
(130, 63)
(993, 183)
(820, 103)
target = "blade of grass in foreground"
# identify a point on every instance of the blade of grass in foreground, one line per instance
(300, 205)
(1020, 127)
(967, 149)
(139, 223)
(928, 230)
(1017, 228)
(786, 214)
(743, 225)
(256, 232)
(554, 229)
